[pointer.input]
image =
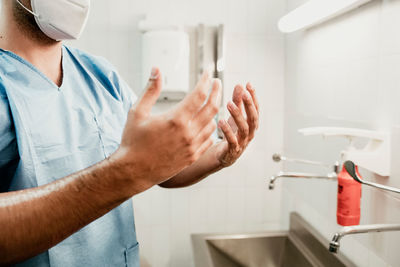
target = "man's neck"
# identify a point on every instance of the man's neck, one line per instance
(46, 57)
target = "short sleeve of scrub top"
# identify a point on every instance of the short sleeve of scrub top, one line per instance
(8, 144)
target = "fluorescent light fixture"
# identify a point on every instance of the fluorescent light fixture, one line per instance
(314, 12)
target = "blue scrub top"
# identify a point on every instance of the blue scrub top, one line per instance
(48, 132)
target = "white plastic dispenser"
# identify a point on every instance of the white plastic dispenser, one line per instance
(375, 156)
(167, 49)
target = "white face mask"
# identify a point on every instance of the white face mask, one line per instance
(60, 19)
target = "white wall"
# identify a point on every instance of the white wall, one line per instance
(345, 72)
(236, 199)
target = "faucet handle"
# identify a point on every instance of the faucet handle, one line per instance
(278, 158)
(351, 169)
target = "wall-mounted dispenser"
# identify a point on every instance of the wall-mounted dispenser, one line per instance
(375, 156)
(183, 53)
(210, 55)
(169, 49)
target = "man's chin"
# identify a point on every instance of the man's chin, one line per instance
(27, 24)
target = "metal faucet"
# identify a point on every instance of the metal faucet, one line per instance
(329, 176)
(359, 229)
(278, 158)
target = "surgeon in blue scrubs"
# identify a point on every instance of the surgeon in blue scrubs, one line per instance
(76, 144)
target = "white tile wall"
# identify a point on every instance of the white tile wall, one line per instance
(236, 199)
(345, 73)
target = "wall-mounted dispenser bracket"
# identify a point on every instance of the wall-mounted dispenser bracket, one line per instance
(375, 156)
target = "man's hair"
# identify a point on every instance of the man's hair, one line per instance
(27, 23)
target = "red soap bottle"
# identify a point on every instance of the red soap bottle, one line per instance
(348, 200)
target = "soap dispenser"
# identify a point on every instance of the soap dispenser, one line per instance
(348, 199)
(375, 157)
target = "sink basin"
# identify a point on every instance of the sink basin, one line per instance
(301, 246)
(274, 249)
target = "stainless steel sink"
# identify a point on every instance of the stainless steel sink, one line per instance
(301, 246)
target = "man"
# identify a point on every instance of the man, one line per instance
(62, 114)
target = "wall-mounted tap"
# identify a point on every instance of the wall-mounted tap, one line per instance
(278, 158)
(359, 229)
(329, 176)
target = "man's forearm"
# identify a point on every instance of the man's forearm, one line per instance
(205, 166)
(34, 220)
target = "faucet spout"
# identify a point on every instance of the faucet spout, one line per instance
(329, 176)
(278, 158)
(359, 229)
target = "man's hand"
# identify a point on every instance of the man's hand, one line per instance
(155, 148)
(240, 129)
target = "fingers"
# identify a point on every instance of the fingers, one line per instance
(205, 133)
(252, 114)
(203, 148)
(243, 128)
(150, 95)
(229, 135)
(210, 109)
(252, 92)
(195, 100)
(232, 124)
(238, 96)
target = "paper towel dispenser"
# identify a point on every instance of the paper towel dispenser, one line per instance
(170, 51)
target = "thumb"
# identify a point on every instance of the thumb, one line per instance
(150, 95)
